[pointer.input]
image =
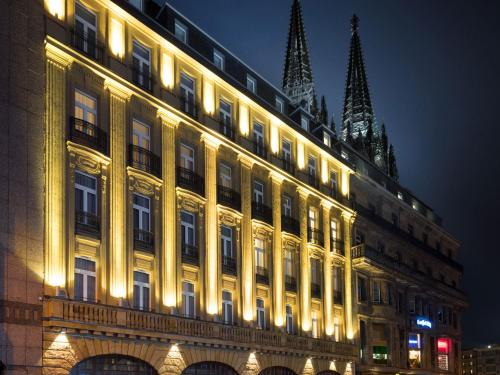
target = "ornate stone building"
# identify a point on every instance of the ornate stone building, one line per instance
(168, 211)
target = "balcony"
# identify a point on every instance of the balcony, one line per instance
(190, 254)
(315, 290)
(338, 297)
(290, 225)
(257, 147)
(87, 224)
(261, 275)
(227, 129)
(229, 265)
(88, 44)
(262, 212)
(142, 79)
(189, 107)
(313, 180)
(284, 164)
(337, 247)
(89, 135)
(144, 240)
(290, 283)
(80, 316)
(144, 160)
(188, 179)
(228, 197)
(315, 236)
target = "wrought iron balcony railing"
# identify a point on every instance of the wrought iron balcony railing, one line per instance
(190, 254)
(144, 240)
(87, 134)
(189, 107)
(261, 275)
(87, 224)
(144, 160)
(88, 44)
(142, 78)
(227, 129)
(337, 247)
(313, 180)
(283, 163)
(255, 146)
(229, 265)
(315, 236)
(188, 179)
(290, 225)
(228, 197)
(262, 212)
(290, 283)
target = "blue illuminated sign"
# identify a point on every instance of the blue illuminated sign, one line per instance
(424, 323)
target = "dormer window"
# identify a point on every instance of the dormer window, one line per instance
(304, 123)
(181, 31)
(219, 59)
(400, 195)
(251, 83)
(280, 104)
(137, 3)
(327, 140)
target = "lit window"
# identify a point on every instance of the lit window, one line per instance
(141, 65)
(85, 279)
(260, 263)
(181, 31)
(380, 355)
(141, 134)
(251, 83)
(336, 328)
(219, 59)
(288, 260)
(187, 157)
(86, 110)
(188, 301)
(304, 123)
(188, 97)
(227, 307)
(414, 205)
(327, 140)
(287, 205)
(261, 314)
(280, 104)
(141, 290)
(258, 192)
(225, 173)
(313, 218)
(315, 324)
(289, 319)
(226, 239)
(85, 30)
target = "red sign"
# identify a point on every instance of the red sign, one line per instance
(443, 346)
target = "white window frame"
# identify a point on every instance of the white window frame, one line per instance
(376, 291)
(86, 110)
(142, 62)
(260, 253)
(258, 132)
(287, 205)
(289, 319)
(313, 218)
(227, 241)
(181, 31)
(280, 104)
(227, 307)
(336, 279)
(304, 123)
(86, 25)
(143, 140)
(86, 274)
(219, 59)
(139, 4)
(187, 160)
(142, 286)
(187, 297)
(258, 195)
(314, 325)
(186, 227)
(327, 140)
(251, 83)
(311, 165)
(86, 191)
(188, 93)
(143, 210)
(288, 263)
(286, 150)
(261, 313)
(225, 116)
(225, 175)
(334, 180)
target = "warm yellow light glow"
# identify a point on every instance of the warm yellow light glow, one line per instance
(167, 70)
(244, 120)
(116, 38)
(301, 163)
(275, 139)
(208, 97)
(308, 367)
(345, 182)
(55, 8)
(350, 334)
(324, 170)
(174, 357)
(333, 367)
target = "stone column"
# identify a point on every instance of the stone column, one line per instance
(247, 267)
(327, 270)
(169, 215)
(118, 98)
(278, 275)
(55, 166)
(305, 272)
(212, 264)
(348, 301)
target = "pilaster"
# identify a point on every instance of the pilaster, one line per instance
(278, 276)
(305, 272)
(347, 221)
(327, 271)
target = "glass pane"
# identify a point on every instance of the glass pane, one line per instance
(78, 286)
(137, 297)
(91, 288)
(145, 292)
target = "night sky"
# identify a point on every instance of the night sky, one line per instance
(433, 70)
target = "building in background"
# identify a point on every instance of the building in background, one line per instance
(481, 360)
(169, 211)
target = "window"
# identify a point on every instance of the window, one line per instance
(288, 260)
(85, 197)
(315, 324)
(280, 104)
(85, 30)
(141, 290)
(287, 205)
(400, 195)
(304, 123)
(286, 149)
(225, 114)
(333, 231)
(362, 289)
(85, 109)
(336, 328)
(380, 355)
(344, 155)
(377, 293)
(258, 133)
(226, 239)
(258, 192)
(225, 173)
(141, 63)
(137, 3)
(313, 218)
(337, 279)
(85, 280)
(312, 166)
(389, 294)
(259, 253)
(315, 271)
(289, 319)
(187, 157)
(181, 31)
(141, 134)
(333, 182)
(261, 314)
(219, 59)
(227, 307)
(187, 228)
(188, 301)
(327, 140)
(251, 84)
(142, 213)
(188, 87)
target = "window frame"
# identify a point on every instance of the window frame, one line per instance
(86, 25)
(258, 194)
(261, 314)
(142, 62)
(84, 108)
(289, 320)
(180, 26)
(188, 296)
(227, 242)
(142, 210)
(186, 160)
(259, 253)
(86, 191)
(186, 227)
(143, 140)
(286, 205)
(225, 179)
(219, 56)
(280, 104)
(227, 306)
(85, 276)
(142, 285)
(251, 83)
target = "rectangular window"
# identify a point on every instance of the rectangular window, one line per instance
(327, 140)
(188, 301)
(315, 271)
(288, 260)
(260, 261)
(226, 238)
(141, 64)
(142, 213)
(187, 228)
(289, 319)
(181, 31)
(377, 293)
(313, 218)
(389, 294)
(380, 355)
(315, 324)
(333, 231)
(286, 150)
(141, 134)
(280, 104)
(187, 157)
(225, 173)
(227, 307)
(304, 123)
(141, 290)
(311, 166)
(219, 59)
(287, 205)
(336, 328)
(85, 280)
(258, 133)
(225, 114)
(261, 314)
(137, 3)
(188, 89)
(333, 182)
(85, 30)
(85, 109)
(337, 279)
(362, 289)
(85, 196)
(258, 192)
(251, 83)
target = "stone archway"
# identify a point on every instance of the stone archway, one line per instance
(277, 370)
(112, 364)
(209, 368)
(328, 372)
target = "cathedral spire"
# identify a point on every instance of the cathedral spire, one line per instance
(297, 78)
(358, 111)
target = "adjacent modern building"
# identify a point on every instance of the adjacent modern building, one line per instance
(166, 210)
(481, 360)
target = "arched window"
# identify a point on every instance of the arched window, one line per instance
(277, 371)
(209, 368)
(112, 365)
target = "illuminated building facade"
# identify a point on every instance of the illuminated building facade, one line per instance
(169, 212)
(481, 360)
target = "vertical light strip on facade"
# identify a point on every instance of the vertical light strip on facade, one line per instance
(56, 8)
(301, 157)
(167, 70)
(208, 97)
(327, 269)
(116, 38)
(348, 218)
(305, 277)
(244, 120)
